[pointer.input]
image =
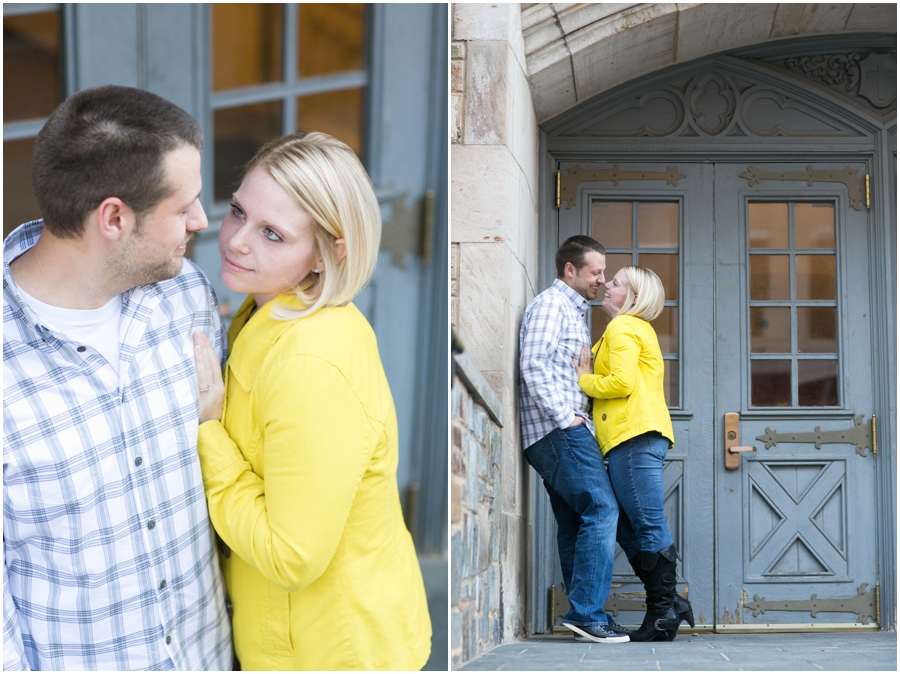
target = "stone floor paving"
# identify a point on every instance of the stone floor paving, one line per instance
(839, 651)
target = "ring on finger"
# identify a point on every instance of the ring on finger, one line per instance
(204, 390)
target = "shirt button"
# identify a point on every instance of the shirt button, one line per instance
(138, 461)
(151, 524)
(603, 417)
(81, 349)
(162, 585)
(168, 640)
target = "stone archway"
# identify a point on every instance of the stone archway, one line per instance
(576, 51)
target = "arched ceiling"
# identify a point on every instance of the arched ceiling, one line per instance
(577, 50)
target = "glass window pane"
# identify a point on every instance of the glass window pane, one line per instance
(246, 44)
(599, 320)
(670, 383)
(330, 38)
(770, 330)
(666, 267)
(768, 225)
(666, 326)
(770, 383)
(31, 70)
(814, 225)
(657, 224)
(816, 277)
(238, 134)
(611, 223)
(338, 113)
(19, 205)
(614, 262)
(818, 383)
(817, 329)
(769, 277)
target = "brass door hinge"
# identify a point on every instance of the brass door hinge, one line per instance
(557, 188)
(868, 205)
(878, 603)
(874, 443)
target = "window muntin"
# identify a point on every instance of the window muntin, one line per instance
(278, 69)
(647, 234)
(32, 88)
(793, 305)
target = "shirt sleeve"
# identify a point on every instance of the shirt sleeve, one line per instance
(541, 337)
(624, 354)
(13, 647)
(316, 447)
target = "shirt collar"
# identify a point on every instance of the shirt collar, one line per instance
(22, 239)
(577, 300)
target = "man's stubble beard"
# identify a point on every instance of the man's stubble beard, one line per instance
(133, 269)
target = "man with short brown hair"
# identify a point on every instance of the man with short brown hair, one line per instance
(109, 556)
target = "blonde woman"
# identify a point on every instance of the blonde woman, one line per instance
(298, 445)
(634, 432)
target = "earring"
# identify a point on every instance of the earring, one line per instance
(316, 271)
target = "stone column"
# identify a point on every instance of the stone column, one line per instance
(494, 234)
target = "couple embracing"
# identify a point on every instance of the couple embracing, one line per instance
(575, 415)
(122, 440)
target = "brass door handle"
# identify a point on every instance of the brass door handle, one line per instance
(733, 446)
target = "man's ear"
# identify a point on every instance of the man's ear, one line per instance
(114, 219)
(570, 270)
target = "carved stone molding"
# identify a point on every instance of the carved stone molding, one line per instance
(830, 68)
(712, 102)
(871, 76)
(723, 102)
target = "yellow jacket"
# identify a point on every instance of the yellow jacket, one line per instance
(627, 384)
(301, 478)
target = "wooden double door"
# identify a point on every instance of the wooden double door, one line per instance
(770, 486)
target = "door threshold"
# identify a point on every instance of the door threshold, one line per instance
(796, 627)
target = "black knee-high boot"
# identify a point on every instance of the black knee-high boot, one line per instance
(682, 606)
(657, 570)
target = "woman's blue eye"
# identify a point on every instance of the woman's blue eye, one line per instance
(236, 210)
(271, 235)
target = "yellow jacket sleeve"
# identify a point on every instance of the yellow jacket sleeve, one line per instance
(624, 354)
(288, 523)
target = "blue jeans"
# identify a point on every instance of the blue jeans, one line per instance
(636, 473)
(586, 512)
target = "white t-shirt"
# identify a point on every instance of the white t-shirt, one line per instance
(94, 328)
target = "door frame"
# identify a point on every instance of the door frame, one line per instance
(876, 149)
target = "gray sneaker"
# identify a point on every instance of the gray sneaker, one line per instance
(613, 625)
(601, 634)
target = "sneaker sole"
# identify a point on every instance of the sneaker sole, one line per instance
(599, 640)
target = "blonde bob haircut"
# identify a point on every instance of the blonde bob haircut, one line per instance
(644, 296)
(329, 182)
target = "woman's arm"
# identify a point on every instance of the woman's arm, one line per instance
(318, 442)
(624, 353)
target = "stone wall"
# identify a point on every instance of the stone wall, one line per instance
(494, 225)
(476, 618)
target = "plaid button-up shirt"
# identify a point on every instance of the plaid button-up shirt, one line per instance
(109, 556)
(553, 332)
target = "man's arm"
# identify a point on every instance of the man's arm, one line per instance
(541, 335)
(13, 648)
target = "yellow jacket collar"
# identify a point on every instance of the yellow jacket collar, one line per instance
(252, 337)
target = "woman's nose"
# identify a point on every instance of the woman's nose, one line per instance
(240, 241)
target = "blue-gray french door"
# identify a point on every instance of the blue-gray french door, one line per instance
(766, 320)
(794, 539)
